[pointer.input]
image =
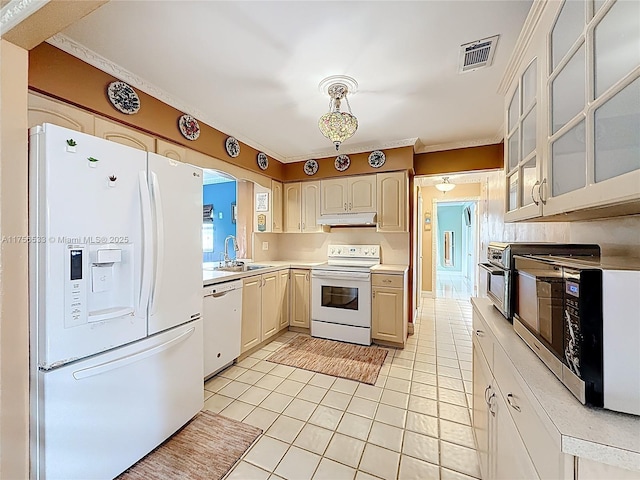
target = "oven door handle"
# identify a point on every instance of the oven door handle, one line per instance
(491, 269)
(342, 275)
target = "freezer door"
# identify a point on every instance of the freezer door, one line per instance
(86, 244)
(99, 416)
(176, 291)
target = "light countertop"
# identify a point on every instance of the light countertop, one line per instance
(390, 268)
(594, 433)
(211, 277)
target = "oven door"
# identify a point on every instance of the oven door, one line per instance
(341, 297)
(498, 288)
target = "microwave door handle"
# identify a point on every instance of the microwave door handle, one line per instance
(491, 269)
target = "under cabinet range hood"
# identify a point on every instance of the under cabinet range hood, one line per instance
(366, 219)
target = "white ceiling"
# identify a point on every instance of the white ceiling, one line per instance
(251, 69)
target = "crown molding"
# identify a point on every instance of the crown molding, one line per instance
(87, 55)
(355, 148)
(480, 142)
(522, 43)
(16, 11)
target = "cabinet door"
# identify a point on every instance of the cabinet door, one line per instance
(300, 289)
(334, 196)
(43, 110)
(251, 312)
(310, 207)
(270, 304)
(126, 136)
(292, 208)
(482, 390)
(392, 191)
(171, 150)
(276, 207)
(512, 461)
(362, 194)
(386, 321)
(283, 286)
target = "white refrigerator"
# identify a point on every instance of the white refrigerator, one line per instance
(115, 302)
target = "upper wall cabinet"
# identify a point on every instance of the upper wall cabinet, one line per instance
(276, 207)
(44, 110)
(126, 136)
(586, 152)
(171, 150)
(302, 207)
(292, 208)
(348, 195)
(393, 198)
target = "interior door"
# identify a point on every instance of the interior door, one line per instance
(176, 287)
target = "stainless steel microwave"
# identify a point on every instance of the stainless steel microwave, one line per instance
(582, 318)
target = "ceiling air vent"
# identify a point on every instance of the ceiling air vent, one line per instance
(478, 54)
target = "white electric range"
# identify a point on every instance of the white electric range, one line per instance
(341, 294)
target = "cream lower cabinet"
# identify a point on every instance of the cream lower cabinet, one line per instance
(389, 308)
(262, 307)
(283, 297)
(501, 452)
(300, 298)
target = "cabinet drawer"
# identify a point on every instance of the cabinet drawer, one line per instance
(393, 281)
(484, 337)
(543, 447)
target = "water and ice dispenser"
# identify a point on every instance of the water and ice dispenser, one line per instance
(99, 283)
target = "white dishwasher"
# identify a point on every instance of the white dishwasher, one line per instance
(222, 319)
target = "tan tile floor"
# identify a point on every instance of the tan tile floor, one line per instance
(413, 424)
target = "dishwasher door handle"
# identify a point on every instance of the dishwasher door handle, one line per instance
(219, 294)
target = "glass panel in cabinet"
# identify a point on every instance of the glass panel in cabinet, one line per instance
(529, 84)
(617, 149)
(567, 29)
(514, 111)
(514, 151)
(617, 44)
(597, 4)
(568, 91)
(569, 161)
(512, 198)
(529, 178)
(529, 133)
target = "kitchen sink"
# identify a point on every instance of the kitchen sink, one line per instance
(240, 268)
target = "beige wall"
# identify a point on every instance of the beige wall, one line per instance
(429, 194)
(312, 247)
(14, 318)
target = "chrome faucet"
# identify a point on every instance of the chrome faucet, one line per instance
(227, 260)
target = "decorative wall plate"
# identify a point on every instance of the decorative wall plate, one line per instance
(233, 147)
(123, 97)
(377, 159)
(263, 161)
(189, 127)
(342, 162)
(310, 167)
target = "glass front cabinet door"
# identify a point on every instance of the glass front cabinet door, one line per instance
(593, 86)
(572, 113)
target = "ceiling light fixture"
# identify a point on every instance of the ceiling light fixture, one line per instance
(445, 186)
(338, 126)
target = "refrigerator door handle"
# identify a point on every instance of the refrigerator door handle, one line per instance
(147, 243)
(159, 240)
(129, 359)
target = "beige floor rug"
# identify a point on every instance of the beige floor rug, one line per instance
(345, 360)
(204, 449)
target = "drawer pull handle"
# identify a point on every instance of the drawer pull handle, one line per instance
(480, 333)
(386, 281)
(511, 404)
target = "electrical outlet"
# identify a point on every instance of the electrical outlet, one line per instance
(220, 215)
(265, 245)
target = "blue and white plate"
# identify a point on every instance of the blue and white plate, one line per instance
(310, 167)
(123, 97)
(377, 159)
(232, 146)
(263, 161)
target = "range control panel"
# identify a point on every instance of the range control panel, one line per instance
(354, 251)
